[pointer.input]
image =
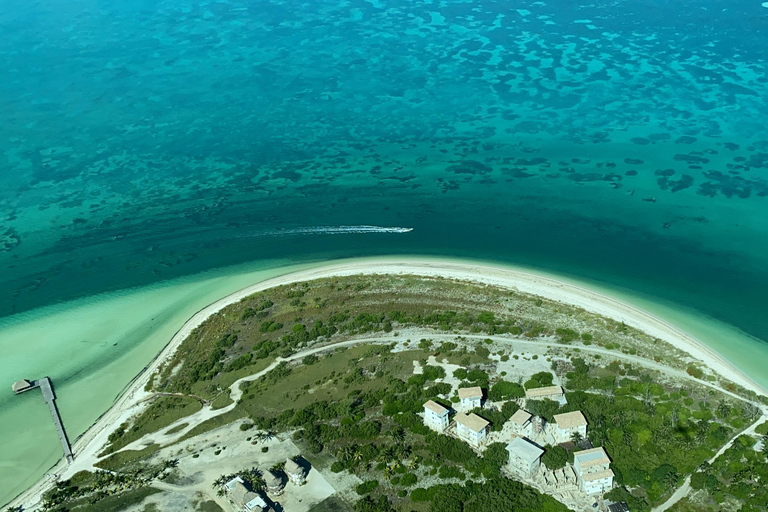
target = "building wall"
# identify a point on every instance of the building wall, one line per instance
(597, 486)
(564, 435)
(470, 403)
(474, 438)
(524, 467)
(435, 421)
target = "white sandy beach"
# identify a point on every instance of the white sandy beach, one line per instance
(93, 440)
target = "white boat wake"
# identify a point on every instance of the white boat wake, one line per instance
(329, 230)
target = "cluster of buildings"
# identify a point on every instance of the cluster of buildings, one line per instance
(590, 473)
(243, 498)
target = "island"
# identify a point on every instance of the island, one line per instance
(429, 389)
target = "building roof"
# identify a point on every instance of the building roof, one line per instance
(597, 475)
(521, 417)
(293, 468)
(618, 507)
(590, 458)
(547, 391)
(255, 503)
(472, 421)
(475, 392)
(238, 491)
(21, 385)
(571, 420)
(272, 480)
(435, 407)
(524, 449)
(232, 483)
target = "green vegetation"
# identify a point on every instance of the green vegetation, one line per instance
(356, 409)
(554, 457)
(331, 504)
(164, 411)
(367, 486)
(118, 460)
(271, 323)
(539, 380)
(734, 481)
(106, 491)
(497, 494)
(208, 506)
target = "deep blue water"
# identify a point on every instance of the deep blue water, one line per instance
(624, 142)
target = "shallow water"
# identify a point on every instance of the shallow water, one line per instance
(146, 140)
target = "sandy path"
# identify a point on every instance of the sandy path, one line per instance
(92, 441)
(235, 393)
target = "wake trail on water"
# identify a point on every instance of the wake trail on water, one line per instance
(330, 230)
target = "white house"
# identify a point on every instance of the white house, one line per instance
(592, 470)
(521, 423)
(524, 456)
(471, 428)
(470, 398)
(435, 416)
(568, 424)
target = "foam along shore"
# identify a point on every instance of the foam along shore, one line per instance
(547, 286)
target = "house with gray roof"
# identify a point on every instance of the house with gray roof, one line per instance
(524, 457)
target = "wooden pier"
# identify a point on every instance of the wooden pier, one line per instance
(50, 398)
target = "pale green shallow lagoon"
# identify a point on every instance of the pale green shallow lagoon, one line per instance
(76, 344)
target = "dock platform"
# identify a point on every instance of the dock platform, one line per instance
(50, 398)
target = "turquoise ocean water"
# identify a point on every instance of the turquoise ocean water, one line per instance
(623, 143)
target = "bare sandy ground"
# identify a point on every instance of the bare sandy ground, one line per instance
(93, 440)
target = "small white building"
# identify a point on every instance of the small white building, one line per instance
(592, 471)
(524, 457)
(550, 392)
(470, 398)
(471, 428)
(522, 423)
(435, 416)
(568, 424)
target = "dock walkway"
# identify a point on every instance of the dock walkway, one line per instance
(50, 398)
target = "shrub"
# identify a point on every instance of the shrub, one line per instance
(504, 390)
(366, 487)
(539, 380)
(554, 457)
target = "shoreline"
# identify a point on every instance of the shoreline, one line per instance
(551, 287)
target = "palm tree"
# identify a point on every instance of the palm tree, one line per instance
(397, 434)
(576, 438)
(413, 464)
(387, 454)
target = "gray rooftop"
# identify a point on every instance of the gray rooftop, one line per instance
(524, 450)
